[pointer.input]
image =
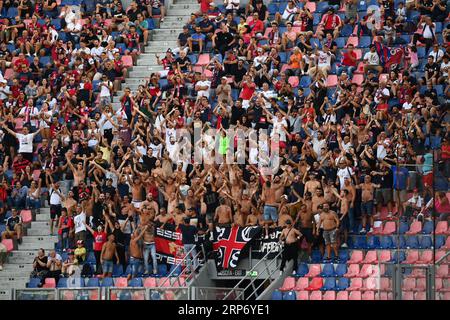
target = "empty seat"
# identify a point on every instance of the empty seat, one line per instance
(355, 284)
(428, 227)
(415, 228)
(389, 228)
(399, 257)
(421, 284)
(62, 283)
(26, 215)
(368, 295)
(121, 282)
(302, 270)
(332, 80)
(371, 257)
(370, 283)
(442, 270)
(409, 284)
(203, 59)
(49, 283)
(356, 257)
(407, 295)
(403, 227)
(330, 284)
(342, 284)
(117, 270)
(293, 81)
(343, 256)
(385, 284)
(290, 295)
(288, 284)
(373, 242)
(442, 243)
(442, 227)
(353, 271)
(315, 295)
(328, 270)
(384, 256)
(412, 242)
(107, 282)
(387, 243)
(413, 256)
(302, 284)
(316, 284)
(150, 282)
(342, 295)
(277, 295)
(33, 283)
(426, 242)
(426, 257)
(421, 295)
(314, 270)
(341, 270)
(329, 295)
(93, 282)
(9, 244)
(366, 271)
(127, 61)
(355, 295)
(358, 79)
(135, 282)
(302, 295)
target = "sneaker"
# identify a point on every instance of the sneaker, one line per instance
(162, 20)
(362, 231)
(155, 271)
(389, 215)
(344, 245)
(371, 230)
(294, 273)
(1, 268)
(281, 273)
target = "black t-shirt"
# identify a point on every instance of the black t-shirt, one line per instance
(183, 37)
(189, 232)
(261, 12)
(211, 200)
(432, 68)
(184, 62)
(12, 221)
(39, 268)
(119, 236)
(385, 181)
(236, 114)
(97, 212)
(149, 162)
(224, 38)
(239, 75)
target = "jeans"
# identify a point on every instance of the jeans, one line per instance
(192, 254)
(351, 219)
(348, 69)
(64, 239)
(150, 248)
(135, 266)
(33, 203)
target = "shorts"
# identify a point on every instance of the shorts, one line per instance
(383, 196)
(330, 31)
(428, 179)
(319, 239)
(330, 236)
(308, 234)
(400, 194)
(55, 211)
(367, 208)
(345, 223)
(156, 11)
(107, 266)
(270, 213)
(136, 204)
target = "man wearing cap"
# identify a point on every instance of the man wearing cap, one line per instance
(290, 236)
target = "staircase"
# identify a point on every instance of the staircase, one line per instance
(160, 40)
(16, 272)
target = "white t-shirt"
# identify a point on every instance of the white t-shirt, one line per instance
(372, 58)
(78, 221)
(324, 59)
(288, 11)
(278, 128)
(104, 91)
(347, 172)
(25, 142)
(436, 55)
(444, 68)
(32, 111)
(55, 198)
(416, 201)
(203, 93)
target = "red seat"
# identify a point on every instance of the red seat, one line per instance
(440, 254)
(166, 283)
(415, 228)
(139, 295)
(368, 295)
(293, 81)
(366, 271)
(360, 68)
(203, 59)
(438, 283)
(442, 270)
(342, 295)
(371, 257)
(49, 283)
(352, 271)
(421, 284)
(311, 6)
(9, 73)
(407, 295)
(329, 295)
(370, 283)
(385, 256)
(150, 282)
(93, 295)
(358, 79)
(26, 215)
(412, 257)
(179, 282)
(127, 61)
(332, 80)
(288, 284)
(302, 295)
(381, 296)
(352, 40)
(315, 295)
(316, 284)
(302, 283)
(169, 295)
(389, 228)
(420, 296)
(68, 295)
(121, 282)
(385, 284)
(447, 244)
(426, 257)
(9, 244)
(442, 227)
(314, 270)
(355, 284)
(357, 257)
(409, 284)
(355, 295)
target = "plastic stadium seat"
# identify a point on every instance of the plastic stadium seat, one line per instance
(384, 256)
(355, 295)
(370, 283)
(203, 59)
(277, 295)
(329, 295)
(412, 242)
(322, 6)
(403, 227)
(33, 283)
(341, 269)
(420, 295)
(340, 42)
(385, 284)
(293, 81)
(427, 227)
(107, 282)
(413, 256)
(302, 295)
(342, 284)
(62, 283)
(426, 242)
(426, 257)
(358, 79)
(332, 80)
(117, 270)
(364, 42)
(9, 244)
(442, 270)
(371, 257)
(353, 271)
(421, 284)
(26, 215)
(441, 242)
(311, 6)
(366, 271)
(355, 284)
(409, 284)
(164, 282)
(315, 295)
(360, 243)
(49, 283)
(121, 282)
(288, 284)
(352, 40)
(438, 284)
(373, 242)
(127, 61)
(45, 60)
(415, 228)
(368, 295)
(389, 228)
(302, 270)
(342, 295)
(356, 257)
(407, 295)
(328, 270)
(305, 81)
(150, 282)
(90, 257)
(314, 270)
(442, 227)
(135, 282)
(329, 285)
(290, 295)
(343, 256)
(316, 284)
(302, 284)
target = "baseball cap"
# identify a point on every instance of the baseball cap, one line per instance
(80, 242)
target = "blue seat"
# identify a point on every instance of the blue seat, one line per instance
(329, 284)
(12, 13)
(398, 257)
(155, 295)
(315, 43)
(440, 92)
(428, 227)
(33, 283)
(96, 85)
(175, 272)
(341, 269)
(426, 242)
(62, 283)
(283, 57)
(438, 27)
(399, 242)
(135, 282)
(125, 295)
(290, 295)
(340, 42)
(362, 6)
(57, 24)
(360, 243)
(162, 270)
(343, 256)
(421, 53)
(305, 81)
(193, 58)
(306, 92)
(45, 60)
(273, 8)
(404, 226)
(328, 270)
(412, 242)
(107, 282)
(322, 6)
(373, 242)
(277, 295)
(117, 270)
(316, 256)
(2, 228)
(163, 83)
(62, 35)
(440, 241)
(364, 42)
(346, 31)
(90, 257)
(64, 256)
(302, 270)
(316, 18)
(342, 284)
(93, 282)
(122, 47)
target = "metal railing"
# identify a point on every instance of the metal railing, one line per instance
(249, 276)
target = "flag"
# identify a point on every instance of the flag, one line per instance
(169, 247)
(228, 242)
(395, 58)
(383, 52)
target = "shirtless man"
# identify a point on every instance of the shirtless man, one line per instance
(328, 193)
(367, 192)
(136, 256)
(79, 173)
(351, 196)
(270, 203)
(106, 258)
(136, 191)
(252, 218)
(312, 184)
(223, 216)
(151, 203)
(305, 220)
(343, 213)
(290, 236)
(163, 218)
(149, 247)
(179, 215)
(330, 222)
(317, 199)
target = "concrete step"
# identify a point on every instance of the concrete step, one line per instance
(182, 11)
(165, 32)
(4, 281)
(141, 74)
(44, 210)
(5, 294)
(21, 257)
(36, 246)
(43, 217)
(149, 59)
(17, 267)
(133, 81)
(14, 274)
(40, 224)
(173, 25)
(151, 68)
(38, 239)
(183, 6)
(185, 1)
(166, 36)
(39, 232)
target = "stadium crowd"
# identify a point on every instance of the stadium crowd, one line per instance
(356, 101)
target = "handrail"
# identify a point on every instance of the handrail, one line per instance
(442, 258)
(252, 269)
